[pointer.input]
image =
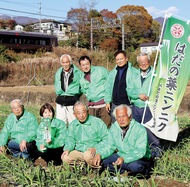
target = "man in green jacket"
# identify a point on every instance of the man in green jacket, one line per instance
(92, 85)
(19, 131)
(127, 148)
(86, 135)
(67, 88)
(138, 92)
(117, 82)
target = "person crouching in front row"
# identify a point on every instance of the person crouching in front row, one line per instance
(19, 132)
(128, 148)
(85, 137)
(51, 135)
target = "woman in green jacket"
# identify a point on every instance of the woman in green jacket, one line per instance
(51, 135)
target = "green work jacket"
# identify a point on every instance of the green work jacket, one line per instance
(90, 134)
(137, 88)
(73, 88)
(95, 89)
(23, 129)
(58, 131)
(111, 79)
(132, 147)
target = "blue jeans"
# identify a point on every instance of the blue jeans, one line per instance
(142, 166)
(138, 114)
(14, 148)
(153, 141)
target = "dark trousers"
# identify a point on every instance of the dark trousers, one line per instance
(142, 166)
(52, 155)
(138, 114)
(154, 142)
(113, 106)
(102, 114)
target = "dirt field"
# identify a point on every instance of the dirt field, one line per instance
(40, 94)
(29, 94)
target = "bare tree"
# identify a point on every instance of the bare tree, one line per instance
(88, 5)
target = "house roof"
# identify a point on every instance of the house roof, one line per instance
(53, 21)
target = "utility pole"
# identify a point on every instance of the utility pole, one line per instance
(91, 35)
(123, 37)
(40, 8)
(111, 24)
(77, 37)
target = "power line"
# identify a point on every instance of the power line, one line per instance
(34, 5)
(17, 2)
(44, 15)
(24, 4)
(31, 13)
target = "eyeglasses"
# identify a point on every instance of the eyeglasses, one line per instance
(16, 107)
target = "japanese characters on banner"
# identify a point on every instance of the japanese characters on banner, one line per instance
(172, 75)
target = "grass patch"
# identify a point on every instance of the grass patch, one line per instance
(172, 168)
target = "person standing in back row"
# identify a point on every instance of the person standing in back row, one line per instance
(138, 93)
(117, 82)
(93, 86)
(67, 88)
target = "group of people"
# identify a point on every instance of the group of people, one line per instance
(105, 132)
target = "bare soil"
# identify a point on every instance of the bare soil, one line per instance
(37, 95)
(165, 182)
(40, 94)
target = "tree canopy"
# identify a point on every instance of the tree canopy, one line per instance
(139, 27)
(137, 21)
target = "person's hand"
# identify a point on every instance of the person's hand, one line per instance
(48, 141)
(23, 146)
(42, 147)
(92, 151)
(108, 107)
(96, 160)
(2, 149)
(143, 97)
(119, 161)
(65, 153)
